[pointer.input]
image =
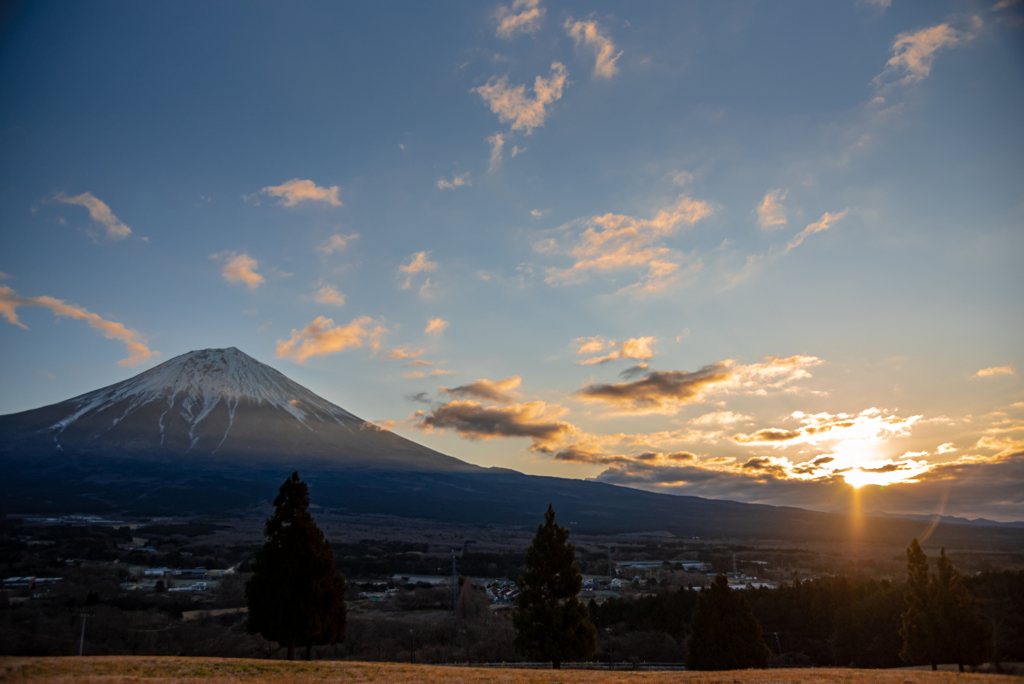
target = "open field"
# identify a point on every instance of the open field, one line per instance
(174, 670)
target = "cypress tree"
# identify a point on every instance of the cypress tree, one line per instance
(961, 636)
(295, 596)
(725, 634)
(918, 624)
(551, 623)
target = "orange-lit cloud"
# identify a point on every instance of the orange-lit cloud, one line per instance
(322, 336)
(590, 345)
(589, 33)
(514, 107)
(402, 353)
(660, 391)
(100, 213)
(337, 243)
(436, 326)
(994, 371)
(498, 391)
(913, 54)
(455, 182)
(138, 352)
(297, 191)
(239, 268)
(639, 348)
(719, 418)
(870, 425)
(974, 487)
(666, 392)
(824, 223)
(418, 263)
(524, 17)
(442, 371)
(615, 242)
(771, 215)
(328, 294)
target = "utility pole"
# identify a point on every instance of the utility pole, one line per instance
(610, 565)
(455, 584)
(81, 638)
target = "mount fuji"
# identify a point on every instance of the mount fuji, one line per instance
(216, 431)
(214, 406)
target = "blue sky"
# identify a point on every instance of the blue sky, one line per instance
(749, 250)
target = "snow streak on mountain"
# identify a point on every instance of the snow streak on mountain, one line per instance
(193, 385)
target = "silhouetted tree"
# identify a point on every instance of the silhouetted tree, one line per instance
(551, 623)
(295, 595)
(919, 639)
(961, 636)
(726, 635)
(472, 604)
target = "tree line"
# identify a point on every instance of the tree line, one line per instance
(296, 598)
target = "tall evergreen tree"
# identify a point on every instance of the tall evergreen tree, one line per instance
(295, 595)
(551, 623)
(725, 634)
(918, 636)
(961, 635)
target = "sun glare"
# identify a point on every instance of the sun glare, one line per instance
(885, 474)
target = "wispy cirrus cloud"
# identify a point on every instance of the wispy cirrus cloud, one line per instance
(771, 215)
(337, 243)
(297, 191)
(822, 224)
(456, 182)
(638, 348)
(667, 392)
(523, 17)
(418, 263)
(914, 52)
(100, 213)
(993, 371)
(615, 242)
(590, 34)
(496, 141)
(138, 352)
(498, 391)
(436, 326)
(239, 268)
(323, 337)
(514, 107)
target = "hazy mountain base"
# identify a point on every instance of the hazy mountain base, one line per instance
(222, 670)
(113, 486)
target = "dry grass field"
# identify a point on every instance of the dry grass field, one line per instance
(172, 670)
